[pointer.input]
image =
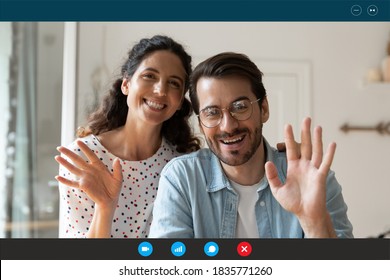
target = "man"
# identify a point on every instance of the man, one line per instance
(241, 187)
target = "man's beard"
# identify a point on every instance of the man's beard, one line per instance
(238, 160)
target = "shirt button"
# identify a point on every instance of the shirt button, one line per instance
(262, 203)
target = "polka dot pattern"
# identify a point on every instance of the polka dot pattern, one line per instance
(133, 216)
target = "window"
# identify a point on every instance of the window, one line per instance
(31, 57)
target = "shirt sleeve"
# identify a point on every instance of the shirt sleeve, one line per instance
(337, 208)
(172, 217)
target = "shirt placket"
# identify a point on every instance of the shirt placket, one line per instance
(229, 219)
(262, 217)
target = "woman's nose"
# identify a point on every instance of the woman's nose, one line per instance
(160, 89)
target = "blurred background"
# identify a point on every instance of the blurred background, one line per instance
(52, 74)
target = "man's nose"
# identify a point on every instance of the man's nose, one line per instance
(228, 123)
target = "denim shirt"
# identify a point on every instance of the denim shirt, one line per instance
(196, 200)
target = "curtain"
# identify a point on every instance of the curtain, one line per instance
(21, 138)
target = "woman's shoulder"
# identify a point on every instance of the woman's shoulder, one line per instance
(169, 149)
(90, 140)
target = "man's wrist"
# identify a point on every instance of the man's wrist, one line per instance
(318, 228)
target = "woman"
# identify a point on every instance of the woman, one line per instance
(108, 187)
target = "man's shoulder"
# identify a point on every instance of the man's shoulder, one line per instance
(201, 157)
(279, 158)
(274, 154)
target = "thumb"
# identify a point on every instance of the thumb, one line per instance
(272, 175)
(117, 170)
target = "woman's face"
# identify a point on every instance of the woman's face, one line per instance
(156, 89)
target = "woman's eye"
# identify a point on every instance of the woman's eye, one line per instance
(148, 76)
(175, 84)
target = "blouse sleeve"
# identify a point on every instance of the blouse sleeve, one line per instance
(76, 208)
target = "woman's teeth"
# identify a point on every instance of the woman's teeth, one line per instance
(155, 105)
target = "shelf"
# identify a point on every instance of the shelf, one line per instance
(376, 87)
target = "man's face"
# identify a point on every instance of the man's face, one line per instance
(233, 142)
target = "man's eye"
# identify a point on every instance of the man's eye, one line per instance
(239, 107)
(212, 113)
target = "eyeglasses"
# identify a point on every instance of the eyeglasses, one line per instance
(241, 110)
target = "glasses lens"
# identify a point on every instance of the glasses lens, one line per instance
(241, 110)
(210, 117)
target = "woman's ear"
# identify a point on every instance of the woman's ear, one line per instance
(125, 86)
(264, 110)
(181, 102)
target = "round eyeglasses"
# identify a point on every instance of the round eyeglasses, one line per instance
(241, 110)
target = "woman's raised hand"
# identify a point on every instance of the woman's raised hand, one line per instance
(94, 178)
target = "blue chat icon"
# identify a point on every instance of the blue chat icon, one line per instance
(211, 249)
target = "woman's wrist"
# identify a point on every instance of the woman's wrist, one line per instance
(101, 222)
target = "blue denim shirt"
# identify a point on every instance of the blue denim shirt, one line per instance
(196, 200)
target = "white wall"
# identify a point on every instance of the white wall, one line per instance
(340, 55)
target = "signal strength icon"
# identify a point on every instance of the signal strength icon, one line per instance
(178, 249)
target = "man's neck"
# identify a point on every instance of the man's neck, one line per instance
(250, 172)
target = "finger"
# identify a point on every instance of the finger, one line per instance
(291, 147)
(328, 158)
(298, 148)
(78, 160)
(72, 169)
(88, 152)
(117, 169)
(272, 175)
(281, 147)
(306, 146)
(67, 182)
(317, 147)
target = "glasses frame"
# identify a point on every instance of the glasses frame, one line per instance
(231, 114)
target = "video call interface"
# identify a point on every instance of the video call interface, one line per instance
(288, 41)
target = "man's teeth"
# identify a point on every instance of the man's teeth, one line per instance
(232, 140)
(154, 105)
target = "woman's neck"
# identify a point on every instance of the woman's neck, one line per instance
(132, 143)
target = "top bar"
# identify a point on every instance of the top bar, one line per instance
(189, 10)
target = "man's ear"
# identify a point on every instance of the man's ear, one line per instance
(264, 110)
(200, 126)
(125, 86)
